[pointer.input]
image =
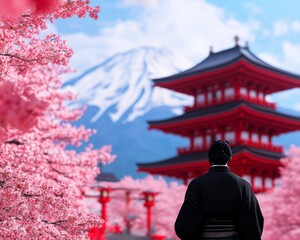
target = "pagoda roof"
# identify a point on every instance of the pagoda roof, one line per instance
(227, 107)
(222, 59)
(202, 156)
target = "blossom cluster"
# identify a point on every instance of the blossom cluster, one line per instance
(23, 49)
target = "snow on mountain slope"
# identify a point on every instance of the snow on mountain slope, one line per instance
(121, 86)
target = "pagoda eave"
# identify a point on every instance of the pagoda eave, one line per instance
(182, 127)
(241, 160)
(274, 81)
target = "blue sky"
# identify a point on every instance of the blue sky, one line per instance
(189, 28)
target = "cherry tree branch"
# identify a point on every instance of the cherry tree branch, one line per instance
(18, 57)
(30, 195)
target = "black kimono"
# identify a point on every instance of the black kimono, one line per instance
(219, 194)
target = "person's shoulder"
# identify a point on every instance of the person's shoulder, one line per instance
(202, 176)
(241, 180)
(199, 179)
(245, 187)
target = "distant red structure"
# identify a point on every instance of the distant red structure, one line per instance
(103, 198)
(229, 90)
(149, 204)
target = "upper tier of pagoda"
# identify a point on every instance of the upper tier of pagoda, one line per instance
(236, 66)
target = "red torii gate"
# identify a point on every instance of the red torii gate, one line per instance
(104, 198)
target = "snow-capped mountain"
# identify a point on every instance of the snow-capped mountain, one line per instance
(121, 86)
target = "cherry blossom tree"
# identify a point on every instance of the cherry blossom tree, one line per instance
(41, 177)
(23, 48)
(281, 206)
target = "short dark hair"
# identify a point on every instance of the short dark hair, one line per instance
(220, 152)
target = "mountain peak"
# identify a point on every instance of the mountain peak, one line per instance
(121, 85)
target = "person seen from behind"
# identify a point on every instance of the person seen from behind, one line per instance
(219, 204)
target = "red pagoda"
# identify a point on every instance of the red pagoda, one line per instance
(229, 90)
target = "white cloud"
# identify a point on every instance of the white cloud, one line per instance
(270, 59)
(291, 56)
(297, 105)
(295, 26)
(281, 28)
(289, 61)
(186, 26)
(266, 33)
(253, 8)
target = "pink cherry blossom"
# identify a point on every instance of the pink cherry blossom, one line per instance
(281, 206)
(23, 51)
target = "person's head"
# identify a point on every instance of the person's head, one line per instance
(219, 153)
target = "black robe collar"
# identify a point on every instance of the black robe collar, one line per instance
(219, 168)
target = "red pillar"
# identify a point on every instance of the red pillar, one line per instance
(260, 134)
(250, 135)
(204, 140)
(192, 142)
(206, 98)
(103, 214)
(237, 90)
(248, 90)
(222, 92)
(258, 90)
(270, 140)
(252, 180)
(222, 133)
(273, 182)
(126, 218)
(196, 104)
(149, 221)
(149, 203)
(103, 199)
(263, 182)
(238, 132)
(185, 181)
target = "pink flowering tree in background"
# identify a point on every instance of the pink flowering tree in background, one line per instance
(167, 204)
(41, 179)
(281, 206)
